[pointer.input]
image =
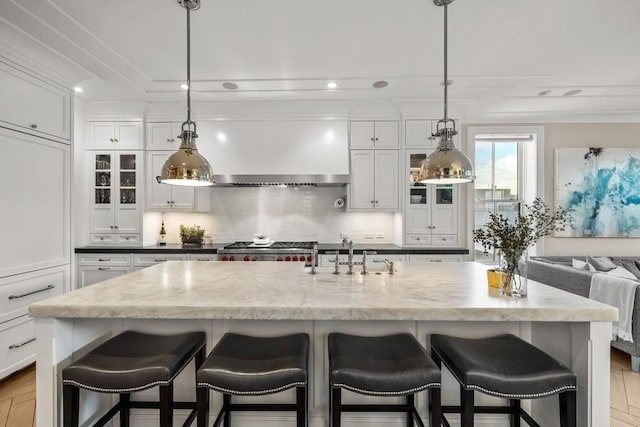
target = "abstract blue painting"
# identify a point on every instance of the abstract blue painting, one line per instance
(601, 189)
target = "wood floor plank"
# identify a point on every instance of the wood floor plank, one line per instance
(5, 405)
(632, 387)
(21, 415)
(618, 392)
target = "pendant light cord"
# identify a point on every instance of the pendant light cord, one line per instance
(188, 66)
(446, 81)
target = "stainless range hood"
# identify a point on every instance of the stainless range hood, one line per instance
(251, 153)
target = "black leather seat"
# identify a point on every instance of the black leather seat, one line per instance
(246, 365)
(130, 362)
(504, 366)
(392, 365)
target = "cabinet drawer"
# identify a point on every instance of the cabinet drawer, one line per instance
(17, 292)
(105, 259)
(145, 260)
(418, 239)
(444, 240)
(128, 239)
(17, 345)
(203, 257)
(436, 258)
(103, 238)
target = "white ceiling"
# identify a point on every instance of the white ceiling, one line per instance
(502, 53)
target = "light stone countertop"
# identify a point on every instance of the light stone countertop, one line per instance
(274, 291)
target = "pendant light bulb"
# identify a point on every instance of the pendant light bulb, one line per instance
(187, 167)
(447, 164)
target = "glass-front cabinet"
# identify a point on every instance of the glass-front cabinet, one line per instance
(115, 213)
(431, 214)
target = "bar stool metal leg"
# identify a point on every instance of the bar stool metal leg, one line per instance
(410, 402)
(467, 406)
(336, 406)
(125, 398)
(301, 406)
(166, 405)
(71, 405)
(226, 403)
(567, 409)
(202, 406)
(515, 416)
(435, 410)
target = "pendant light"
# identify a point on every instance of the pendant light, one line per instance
(187, 167)
(447, 164)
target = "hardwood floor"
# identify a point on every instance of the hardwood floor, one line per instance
(18, 398)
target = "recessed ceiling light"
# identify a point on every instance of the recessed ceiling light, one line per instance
(78, 89)
(449, 83)
(184, 86)
(230, 85)
(544, 92)
(332, 85)
(380, 84)
(572, 92)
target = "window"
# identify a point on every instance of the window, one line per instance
(506, 175)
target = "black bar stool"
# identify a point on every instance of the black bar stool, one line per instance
(504, 366)
(243, 365)
(130, 362)
(392, 365)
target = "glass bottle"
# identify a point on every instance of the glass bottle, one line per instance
(162, 238)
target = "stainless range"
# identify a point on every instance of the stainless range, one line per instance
(301, 252)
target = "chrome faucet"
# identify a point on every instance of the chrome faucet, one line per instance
(364, 263)
(314, 260)
(389, 265)
(348, 243)
(336, 263)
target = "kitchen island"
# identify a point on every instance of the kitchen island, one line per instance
(271, 298)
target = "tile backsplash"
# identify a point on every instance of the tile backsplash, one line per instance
(280, 213)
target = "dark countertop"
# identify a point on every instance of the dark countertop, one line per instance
(322, 249)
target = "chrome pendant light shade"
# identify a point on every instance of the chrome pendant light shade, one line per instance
(187, 167)
(447, 164)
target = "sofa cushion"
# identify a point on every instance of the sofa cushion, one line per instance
(621, 272)
(629, 265)
(601, 263)
(582, 265)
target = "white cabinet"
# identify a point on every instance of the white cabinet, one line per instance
(115, 135)
(18, 347)
(374, 180)
(436, 258)
(163, 135)
(418, 133)
(35, 195)
(115, 213)
(146, 260)
(30, 103)
(163, 196)
(374, 134)
(431, 213)
(94, 268)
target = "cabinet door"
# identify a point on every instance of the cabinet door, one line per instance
(163, 196)
(127, 204)
(361, 194)
(362, 135)
(127, 135)
(35, 226)
(101, 135)
(33, 104)
(103, 191)
(182, 197)
(386, 179)
(417, 133)
(89, 275)
(386, 134)
(159, 136)
(444, 215)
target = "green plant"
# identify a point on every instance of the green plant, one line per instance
(191, 234)
(514, 237)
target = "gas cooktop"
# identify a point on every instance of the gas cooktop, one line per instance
(272, 246)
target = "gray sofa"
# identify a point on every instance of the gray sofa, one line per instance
(557, 271)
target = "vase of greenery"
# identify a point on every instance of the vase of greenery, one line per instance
(512, 238)
(191, 236)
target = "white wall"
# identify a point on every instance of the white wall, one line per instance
(583, 135)
(306, 214)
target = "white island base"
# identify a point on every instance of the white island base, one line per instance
(574, 330)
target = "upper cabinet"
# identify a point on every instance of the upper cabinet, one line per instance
(419, 133)
(374, 180)
(163, 135)
(164, 196)
(34, 105)
(115, 135)
(374, 134)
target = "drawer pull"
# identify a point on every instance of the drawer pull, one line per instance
(104, 268)
(104, 259)
(14, 346)
(31, 293)
(159, 260)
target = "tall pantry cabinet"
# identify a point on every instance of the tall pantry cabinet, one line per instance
(35, 192)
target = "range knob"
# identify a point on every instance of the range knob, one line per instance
(232, 258)
(295, 257)
(246, 258)
(302, 258)
(225, 258)
(309, 258)
(279, 259)
(255, 258)
(287, 258)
